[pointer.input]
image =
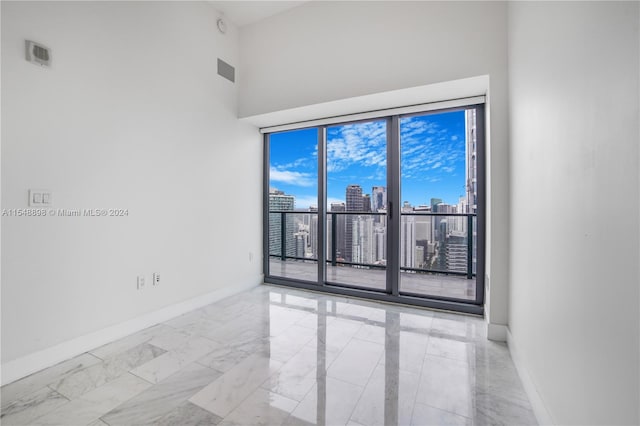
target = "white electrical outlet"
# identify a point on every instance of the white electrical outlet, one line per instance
(156, 278)
(141, 282)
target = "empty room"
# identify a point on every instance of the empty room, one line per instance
(320, 213)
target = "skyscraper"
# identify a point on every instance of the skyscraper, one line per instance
(379, 201)
(407, 237)
(340, 231)
(472, 173)
(300, 244)
(313, 232)
(354, 198)
(279, 201)
(407, 241)
(434, 203)
(354, 204)
(379, 198)
(380, 236)
(470, 163)
(363, 241)
(366, 203)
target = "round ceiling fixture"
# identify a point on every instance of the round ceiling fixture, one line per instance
(222, 26)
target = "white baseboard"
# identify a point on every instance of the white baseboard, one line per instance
(497, 332)
(29, 364)
(537, 403)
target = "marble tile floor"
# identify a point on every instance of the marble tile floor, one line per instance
(281, 356)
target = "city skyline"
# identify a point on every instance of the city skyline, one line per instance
(432, 160)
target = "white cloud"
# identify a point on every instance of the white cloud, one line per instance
(291, 177)
(363, 144)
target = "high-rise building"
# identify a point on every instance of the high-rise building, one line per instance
(378, 198)
(424, 229)
(434, 203)
(380, 236)
(472, 173)
(419, 257)
(363, 240)
(340, 225)
(379, 201)
(407, 241)
(354, 198)
(279, 201)
(313, 232)
(366, 203)
(300, 243)
(354, 204)
(471, 168)
(456, 254)
(444, 208)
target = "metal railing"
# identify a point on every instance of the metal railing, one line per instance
(467, 233)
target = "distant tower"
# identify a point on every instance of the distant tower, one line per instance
(379, 201)
(278, 200)
(379, 198)
(299, 244)
(354, 198)
(471, 173)
(313, 232)
(340, 230)
(380, 236)
(366, 203)
(407, 237)
(363, 241)
(407, 242)
(354, 204)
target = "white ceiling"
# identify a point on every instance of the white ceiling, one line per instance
(242, 12)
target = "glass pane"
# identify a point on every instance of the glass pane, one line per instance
(438, 190)
(356, 204)
(293, 204)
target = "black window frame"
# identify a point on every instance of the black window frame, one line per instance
(392, 292)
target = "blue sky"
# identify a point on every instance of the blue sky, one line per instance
(432, 159)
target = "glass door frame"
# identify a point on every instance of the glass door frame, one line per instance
(392, 292)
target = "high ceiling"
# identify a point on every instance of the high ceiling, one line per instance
(247, 12)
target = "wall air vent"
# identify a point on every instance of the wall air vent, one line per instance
(38, 54)
(227, 71)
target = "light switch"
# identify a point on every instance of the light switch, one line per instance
(40, 197)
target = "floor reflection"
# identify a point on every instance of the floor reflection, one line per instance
(380, 364)
(276, 355)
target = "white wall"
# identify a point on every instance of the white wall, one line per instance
(131, 115)
(573, 317)
(326, 51)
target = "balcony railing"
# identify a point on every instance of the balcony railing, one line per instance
(451, 239)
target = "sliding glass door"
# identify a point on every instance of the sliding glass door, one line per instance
(438, 182)
(292, 231)
(356, 204)
(390, 207)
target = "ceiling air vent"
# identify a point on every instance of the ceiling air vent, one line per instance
(227, 71)
(38, 54)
